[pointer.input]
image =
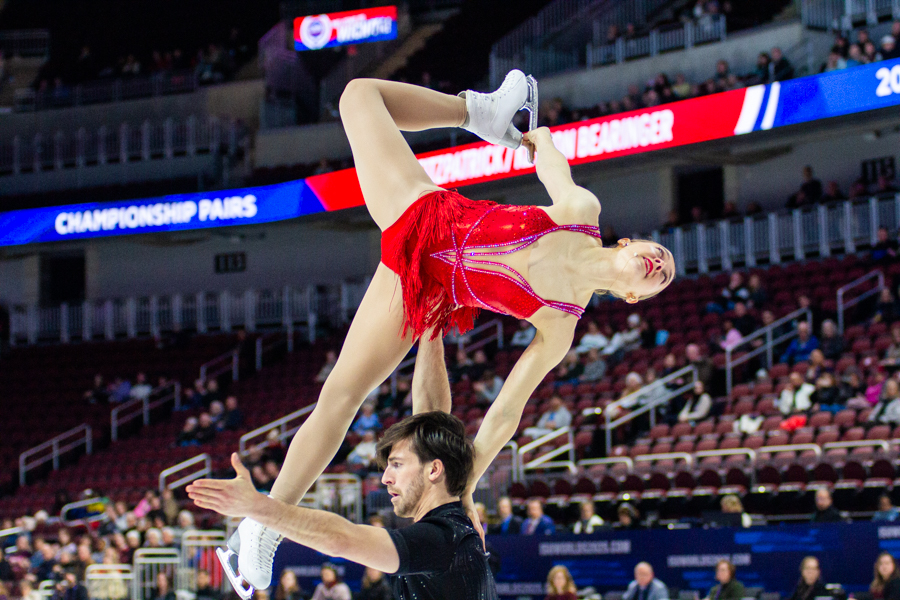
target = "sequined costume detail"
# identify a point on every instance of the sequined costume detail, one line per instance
(441, 248)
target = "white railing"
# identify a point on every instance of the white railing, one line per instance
(612, 460)
(25, 43)
(193, 544)
(734, 357)
(150, 316)
(141, 407)
(657, 41)
(820, 230)
(122, 144)
(148, 563)
(843, 304)
(658, 394)
(286, 427)
(229, 361)
(340, 494)
(52, 449)
(543, 460)
(108, 582)
(190, 464)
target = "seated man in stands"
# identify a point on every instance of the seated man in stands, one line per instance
(206, 432)
(886, 509)
(364, 455)
(523, 336)
(825, 510)
(594, 338)
(557, 416)
(233, 417)
(509, 523)
(594, 367)
(831, 342)
(367, 420)
(800, 346)
(590, 521)
(697, 405)
(645, 585)
(703, 365)
(796, 397)
(888, 408)
(537, 522)
(188, 435)
(886, 248)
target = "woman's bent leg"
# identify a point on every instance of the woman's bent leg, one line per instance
(374, 112)
(372, 350)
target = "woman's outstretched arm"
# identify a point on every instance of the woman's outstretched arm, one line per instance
(430, 384)
(500, 423)
(554, 172)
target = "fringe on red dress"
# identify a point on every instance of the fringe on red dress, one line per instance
(427, 224)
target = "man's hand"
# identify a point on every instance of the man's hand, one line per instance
(468, 503)
(230, 497)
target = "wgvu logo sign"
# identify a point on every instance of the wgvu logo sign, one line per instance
(315, 31)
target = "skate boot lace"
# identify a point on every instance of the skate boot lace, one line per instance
(267, 543)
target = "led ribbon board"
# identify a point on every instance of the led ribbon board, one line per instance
(718, 116)
(341, 28)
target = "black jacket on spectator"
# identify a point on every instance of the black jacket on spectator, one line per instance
(233, 419)
(209, 593)
(782, 70)
(377, 591)
(205, 435)
(891, 589)
(6, 572)
(829, 515)
(515, 525)
(809, 592)
(832, 347)
(733, 590)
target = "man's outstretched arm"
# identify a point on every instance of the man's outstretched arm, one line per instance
(320, 530)
(430, 384)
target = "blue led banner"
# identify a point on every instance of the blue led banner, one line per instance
(767, 557)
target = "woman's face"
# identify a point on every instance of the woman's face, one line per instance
(885, 566)
(559, 581)
(328, 576)
(723, 573)
(810, 571)
(891, 388)
(645, 268)
(288, 580)
(374, 574)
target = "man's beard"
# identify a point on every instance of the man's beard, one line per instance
(406, 506)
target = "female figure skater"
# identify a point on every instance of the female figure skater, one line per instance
(445, 257)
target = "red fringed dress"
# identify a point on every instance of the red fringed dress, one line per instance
(440, 247)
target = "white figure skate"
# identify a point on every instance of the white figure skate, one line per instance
(254, 564)
(489, 116)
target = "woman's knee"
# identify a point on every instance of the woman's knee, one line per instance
(340, 398)
(357, 93)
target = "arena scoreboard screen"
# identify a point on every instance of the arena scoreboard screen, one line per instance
(315, 32)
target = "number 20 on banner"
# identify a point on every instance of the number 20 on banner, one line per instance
(888, 81)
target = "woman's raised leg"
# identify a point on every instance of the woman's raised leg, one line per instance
(374, 112)
(372, 350)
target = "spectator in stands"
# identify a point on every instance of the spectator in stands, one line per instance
(886, 583)
(233, 417)
(628, 517)
(831, 343)
(731, 504)
(855, 56)
(886, 509)
(645, 585)
(288, 587)
(816, 365)
(742, 320)
(834, 62)
(801, 346)
(367, 420)
(325, 371)
(509, 523)
(780, 69)
(892, 354)
(729, 336)
(589, 520)
(70, 588)
(828, 395)
(825, 510)
(374, 586)
(570, 369)
(119, 390)
(555, 417)
(703, 365)
(99, 393)
(885, 249)
(594, 338)
(681, 88)
(889, 49)
(163, 589)
(331, 588)
(188, 435)
(761, 73)
(217, 414)
(560, 585)
(810, 585)
(537, 522)
(886, 307)
(363, 455)
(871, 52)
(206, 429)
(888, 408)
(594, 367)
(697, 406)
(6, 571)
(758, 297)
(205, 590)
(728, 587)
(735, 291)
(213, 394)
(488, 388)
(810, 190)
(523, 336)
(832, 193)
(796, 396)
(141, 389)
(885, 185)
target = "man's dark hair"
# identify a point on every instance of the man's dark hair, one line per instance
(432, 436)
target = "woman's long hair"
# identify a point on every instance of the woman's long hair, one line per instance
(804, 588)
(878, 582)
(570, 583)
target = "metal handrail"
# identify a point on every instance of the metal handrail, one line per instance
(544, 439)
(686, 457)
(229, 361)
(142, 407)
(54, 444)
(264, 430)
(751, 454)
(651, 406)
(497, 335)
(589, 462)
(859, 444)
(555, 464)
(768, 347)
(790, 448)
(841, 305)
(183, 465)
(543, 459)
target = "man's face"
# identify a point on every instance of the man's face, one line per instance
(504, 508)
(404, 477)
(884, 503)
(823, 499)
(643, 575)
(803, 330)
(202, 579)
(535, 510)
